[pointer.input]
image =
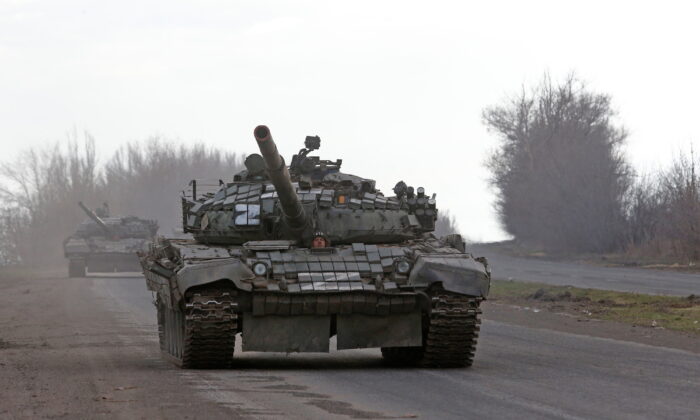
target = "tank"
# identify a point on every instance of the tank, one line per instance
(107, 244)
(290, 256)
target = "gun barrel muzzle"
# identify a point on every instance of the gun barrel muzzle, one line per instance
(279, 175)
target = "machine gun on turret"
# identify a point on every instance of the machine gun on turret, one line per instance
(313, 166)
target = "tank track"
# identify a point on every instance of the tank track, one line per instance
(450, 334)
(204, 335)
(453, 330)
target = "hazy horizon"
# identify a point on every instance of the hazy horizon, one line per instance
(395, 89)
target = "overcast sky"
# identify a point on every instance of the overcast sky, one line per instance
(394, 88)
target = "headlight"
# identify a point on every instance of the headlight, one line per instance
(260, 269)
(403, 266)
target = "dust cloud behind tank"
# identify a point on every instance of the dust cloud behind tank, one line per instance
(289, 256)
(103, 243)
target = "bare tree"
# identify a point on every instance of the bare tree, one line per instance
(445, 224)
(664, 213)
(645, 205)
(11, 224)
(559, 170)
(681, 201)
(148, 177)
(39, 191)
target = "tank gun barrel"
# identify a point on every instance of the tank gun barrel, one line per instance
(279, 175)
(91, 214)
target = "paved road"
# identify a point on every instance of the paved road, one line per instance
(638, 280)
(519, 373)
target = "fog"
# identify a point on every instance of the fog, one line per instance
(396, 89)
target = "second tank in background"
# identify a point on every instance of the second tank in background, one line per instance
(103, 243)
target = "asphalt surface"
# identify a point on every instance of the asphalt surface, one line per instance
(519, 373)
(623, 279)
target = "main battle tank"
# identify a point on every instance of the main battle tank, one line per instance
(107, 244)
(290, 256)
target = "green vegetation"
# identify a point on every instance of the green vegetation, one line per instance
(670, 312)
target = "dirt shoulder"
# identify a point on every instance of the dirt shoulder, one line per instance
(64, 353)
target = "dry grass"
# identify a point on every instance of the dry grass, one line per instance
(670, 312)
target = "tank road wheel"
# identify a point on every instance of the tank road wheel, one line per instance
(76, 268)
(203, 336)
(450, 333)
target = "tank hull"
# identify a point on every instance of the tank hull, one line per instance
(98, 255)
(305, 297)
(112, 262)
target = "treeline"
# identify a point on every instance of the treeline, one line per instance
(564, 185)
(446, 224)
(40, 190)
(664, 213)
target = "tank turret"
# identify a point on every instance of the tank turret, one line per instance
(272, 201)
(91, 214)
(278, 173)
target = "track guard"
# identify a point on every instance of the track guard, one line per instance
(458, 273)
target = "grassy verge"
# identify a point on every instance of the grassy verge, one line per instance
(673, 313)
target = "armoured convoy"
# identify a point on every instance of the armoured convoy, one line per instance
(290, 256)
(107, 244)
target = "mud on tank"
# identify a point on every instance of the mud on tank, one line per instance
(289, 256)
